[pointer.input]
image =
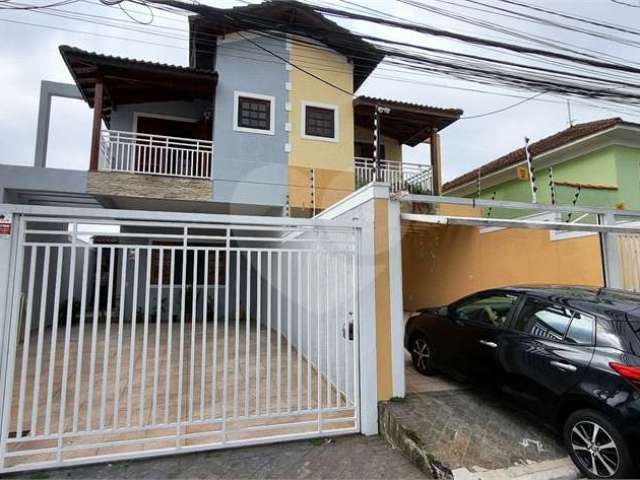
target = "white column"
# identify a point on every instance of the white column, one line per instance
(611, 254)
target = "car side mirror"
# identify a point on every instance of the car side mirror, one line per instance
(443, 311)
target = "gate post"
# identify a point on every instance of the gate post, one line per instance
(610, 254)
(8, 250)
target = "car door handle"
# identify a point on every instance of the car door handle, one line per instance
(489, 344)
(565, 367)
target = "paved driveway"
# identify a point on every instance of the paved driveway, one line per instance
(342, 457)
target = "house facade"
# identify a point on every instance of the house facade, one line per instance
(260, 122)
(601, 158)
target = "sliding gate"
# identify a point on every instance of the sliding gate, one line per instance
(135, 338)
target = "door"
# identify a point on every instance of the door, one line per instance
(481, 323)
(546, 351)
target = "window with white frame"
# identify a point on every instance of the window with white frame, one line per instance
(319, 121)
(254, 113)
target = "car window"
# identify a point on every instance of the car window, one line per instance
(544, 320)
(581, 329)
(492, 309)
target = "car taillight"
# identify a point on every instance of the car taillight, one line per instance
(632, 374)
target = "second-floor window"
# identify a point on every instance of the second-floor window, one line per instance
(320, 122)
(253, 113)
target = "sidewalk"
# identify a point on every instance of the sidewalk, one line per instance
(341, 457)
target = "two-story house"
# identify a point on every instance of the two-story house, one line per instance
(261, 122)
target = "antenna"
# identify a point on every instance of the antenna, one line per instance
(569, 112)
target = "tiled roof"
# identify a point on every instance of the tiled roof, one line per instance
(547, 144)
(67, 51)
(456, 112)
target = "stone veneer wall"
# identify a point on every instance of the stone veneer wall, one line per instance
(149, 186)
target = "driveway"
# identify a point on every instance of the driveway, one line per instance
(341, 457)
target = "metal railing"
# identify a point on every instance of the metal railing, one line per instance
(147, 154)
(402, 176)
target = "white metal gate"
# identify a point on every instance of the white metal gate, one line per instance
(136, 338)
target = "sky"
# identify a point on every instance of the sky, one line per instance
(29, 43)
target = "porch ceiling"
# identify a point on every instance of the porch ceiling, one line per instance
(409, 123)
(135, 81)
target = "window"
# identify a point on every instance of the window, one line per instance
(254, 113)
(547, 320)
(492, 309)
(320, 122)
(581, 329)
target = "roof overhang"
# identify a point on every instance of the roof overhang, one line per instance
(408, 123)
(129, 81)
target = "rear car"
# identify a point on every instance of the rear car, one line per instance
(569, 354)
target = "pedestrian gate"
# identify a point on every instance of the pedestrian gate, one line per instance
(132, 338)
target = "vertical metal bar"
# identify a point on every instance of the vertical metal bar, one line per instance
(80, 344)
(145, 336)
(336, 326)
(43, 308)
(156, 363)
(269, 280)
(258, 324)
(192, 350)
(289, 339)
(94, 337)
(116, 383)
(227, 261)
(327, 320)
(279, 335)
(318, 338)
(203, 359)
(172, 285)
(214, 369)
(181, 346)
(54, 338)
(356, 329)
(247, 343)
(346, 317)
(107, 338)
(236, 362)
(26, 341)
(132, 343)
(299, 323)
(309, 310)
(67, 340)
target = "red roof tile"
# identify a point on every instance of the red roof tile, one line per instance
(547, 144)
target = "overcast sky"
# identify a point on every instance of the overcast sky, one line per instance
(29, 53)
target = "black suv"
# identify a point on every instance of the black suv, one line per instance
(570, 354)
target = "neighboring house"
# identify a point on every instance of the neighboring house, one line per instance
(602, 158)
(260, 122)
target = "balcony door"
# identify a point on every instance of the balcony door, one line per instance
(156, 152)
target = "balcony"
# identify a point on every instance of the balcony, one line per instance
(401, 176)
(141, 153)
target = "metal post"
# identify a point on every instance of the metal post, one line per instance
(610, 254)
(532, 178)
(552, 186)
(377, 167)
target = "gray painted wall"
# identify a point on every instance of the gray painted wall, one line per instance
(122, 117)
(40, 179)
(250, 167)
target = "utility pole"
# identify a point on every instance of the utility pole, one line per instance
(377, 167)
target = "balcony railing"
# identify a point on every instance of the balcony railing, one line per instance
(402, 176)
(142, 153)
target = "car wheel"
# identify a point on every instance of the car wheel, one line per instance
(422, 355)
(596, 446)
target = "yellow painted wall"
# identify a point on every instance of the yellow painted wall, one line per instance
(383, 299)
(332, 160)
(440, 264)
(393, 150)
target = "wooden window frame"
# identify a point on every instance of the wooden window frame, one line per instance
(336, 122)
(237, 95)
